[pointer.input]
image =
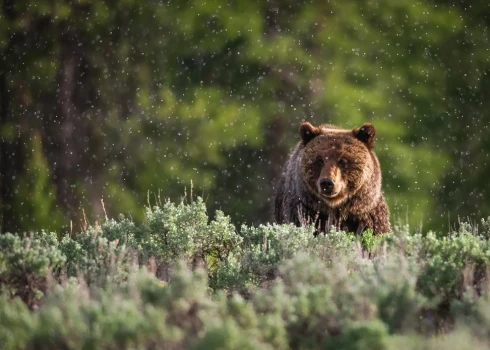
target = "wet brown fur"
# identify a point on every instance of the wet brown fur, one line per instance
(346, 157)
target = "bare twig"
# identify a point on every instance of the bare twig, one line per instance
(103, 207)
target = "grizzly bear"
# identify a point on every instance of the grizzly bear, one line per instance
(333, 179)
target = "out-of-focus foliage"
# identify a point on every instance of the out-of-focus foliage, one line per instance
(124, 285)
(131, 96)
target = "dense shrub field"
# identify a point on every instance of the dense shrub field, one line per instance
(183, 280)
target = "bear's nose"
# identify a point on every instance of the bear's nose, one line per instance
(327, 185)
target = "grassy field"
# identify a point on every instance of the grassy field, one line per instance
(183, 280)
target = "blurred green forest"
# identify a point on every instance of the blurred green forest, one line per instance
(112, 99)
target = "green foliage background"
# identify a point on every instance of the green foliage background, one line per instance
(105, 99)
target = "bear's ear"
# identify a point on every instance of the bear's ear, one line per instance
(365, 134)
(308, 132)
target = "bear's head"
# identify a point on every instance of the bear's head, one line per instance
(336, 163)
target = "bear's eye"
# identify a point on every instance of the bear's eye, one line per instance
(342, 163)
(319, 162)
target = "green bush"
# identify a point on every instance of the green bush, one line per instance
(26, 263)
(183, 280)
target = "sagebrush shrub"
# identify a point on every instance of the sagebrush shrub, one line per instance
(183, 280)
(26, 262)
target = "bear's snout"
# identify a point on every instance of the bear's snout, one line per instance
(326, 186)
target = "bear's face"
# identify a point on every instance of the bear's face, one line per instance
(336, 163)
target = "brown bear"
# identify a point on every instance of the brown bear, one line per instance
(333, 178)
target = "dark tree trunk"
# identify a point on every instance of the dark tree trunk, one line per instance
(11, 156)
(11, 159)
(70, 144)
